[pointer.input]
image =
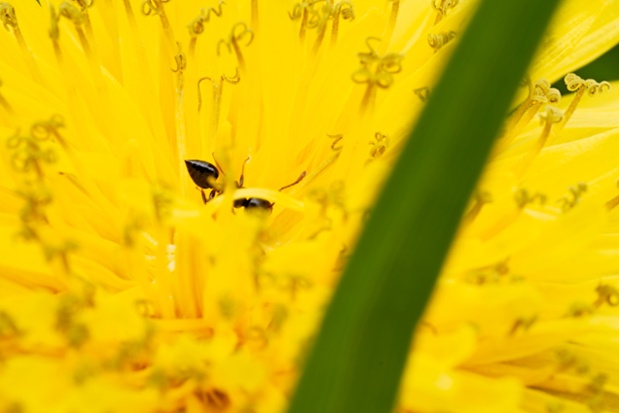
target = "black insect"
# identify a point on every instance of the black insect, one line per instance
(253, 204)
(205, 174)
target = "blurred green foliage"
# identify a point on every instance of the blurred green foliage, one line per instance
(360, 353)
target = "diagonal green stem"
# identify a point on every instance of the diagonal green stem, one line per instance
(359, 355)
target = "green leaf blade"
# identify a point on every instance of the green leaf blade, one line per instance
(360, 353)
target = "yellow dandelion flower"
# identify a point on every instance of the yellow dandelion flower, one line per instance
(183, 181)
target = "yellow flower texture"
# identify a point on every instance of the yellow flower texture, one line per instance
(121, 290)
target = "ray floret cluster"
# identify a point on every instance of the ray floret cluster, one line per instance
(121, 289)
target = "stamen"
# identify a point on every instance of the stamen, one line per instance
(336, 23)
(79, 19)
(442, 7)
(540, 94)
(130, 15)
(200, 90)
(300, 11)
(236, 36)
(423, 93)
(9, 19)
(522, 108)
(84, 5)
(54, 32)
(376, 71)
(570, 201)
(29, 155)
(45, 130)
(222, 169)
(568, 360)
(196, 27)
(241, 181)
(33, 214)
(217, 92)
(346, 11)
(299, 179)
(152, 7)
(321, 29)
(336, 139)
(577, 84)
(295, 284)
(522, 324)
(28, 158)
(578, 310)
(51, 252)
(232, 80)
(7, 16)
(552, 116)
(596, 401)
(313, 17)
(606, 295)
(438, 40)
(155, 7)
(393, 19)
(613, 202)
(179, 60)
(524, 198)
(181, 65)
(68, 324)
(320, 19)
(481, 198)
(379, 145)
(76, 16)
(329, 11)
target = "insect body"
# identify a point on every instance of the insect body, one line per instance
(205, 174)
(253, 203)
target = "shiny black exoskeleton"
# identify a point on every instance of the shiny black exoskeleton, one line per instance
(254, 203)
(205, 174)
(202, 173)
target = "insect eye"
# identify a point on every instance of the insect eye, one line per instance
(203, 174)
